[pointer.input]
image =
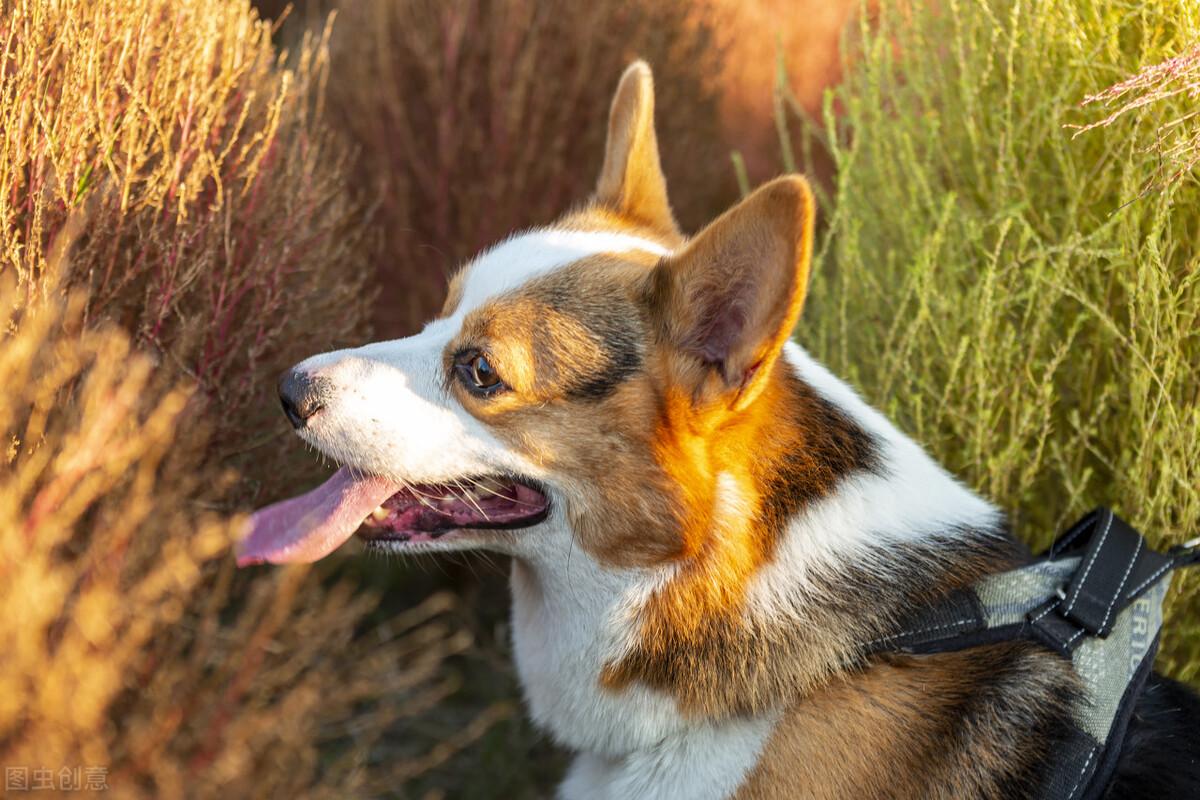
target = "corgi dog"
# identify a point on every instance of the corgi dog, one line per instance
(705, 526)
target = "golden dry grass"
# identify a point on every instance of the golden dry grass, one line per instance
(131, 644)
(168, 172)
(221, 233)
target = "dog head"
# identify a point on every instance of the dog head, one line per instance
(603, 378)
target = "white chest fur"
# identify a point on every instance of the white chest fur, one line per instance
(566, 626)
(705, 763)
(567, 623)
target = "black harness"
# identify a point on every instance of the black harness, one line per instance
(1095, 598)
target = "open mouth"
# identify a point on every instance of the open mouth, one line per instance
(427, 512)
(313, 525)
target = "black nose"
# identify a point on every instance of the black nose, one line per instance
(300, 394)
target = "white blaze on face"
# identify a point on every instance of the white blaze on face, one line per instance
(515, 262)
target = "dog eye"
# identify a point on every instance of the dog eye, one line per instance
(477, 373)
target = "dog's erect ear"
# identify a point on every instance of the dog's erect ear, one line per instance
(631, 180)
(728, 300)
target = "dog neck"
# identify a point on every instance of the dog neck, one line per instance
(855, 524)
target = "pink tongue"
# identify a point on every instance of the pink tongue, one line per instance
(311, 526)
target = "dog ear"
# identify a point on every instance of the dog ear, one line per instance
(728, 300)
(631, 180)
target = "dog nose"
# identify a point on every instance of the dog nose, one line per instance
(300, 394)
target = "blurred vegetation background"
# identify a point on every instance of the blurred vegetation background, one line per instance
(1010, 267)
(194, 195)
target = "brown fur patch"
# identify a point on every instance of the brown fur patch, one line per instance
(725, 658)
(600, 218)
(975, 724)
(737, 484)
(575, 333)
(744, 445)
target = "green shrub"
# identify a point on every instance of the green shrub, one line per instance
(1022, 300)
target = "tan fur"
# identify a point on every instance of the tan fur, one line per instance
(602, 218)
(543, 339)
(631, 179)
(696, 631)
(909, 729)
(552, 330)
(751, 262)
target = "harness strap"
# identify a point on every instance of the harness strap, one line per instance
(1083, 765)
(1091, 574)
(1095, 598)
(1115, 569)
(1186, 554)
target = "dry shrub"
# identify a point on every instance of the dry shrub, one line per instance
(127, 646)
(1010, 293)
(476, 118)
(167, 171)
(219, 230)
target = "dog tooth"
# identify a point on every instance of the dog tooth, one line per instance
(380, 514)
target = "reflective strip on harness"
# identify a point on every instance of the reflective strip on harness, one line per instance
(1095, 598)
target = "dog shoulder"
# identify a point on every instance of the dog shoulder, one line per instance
(950, 726)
